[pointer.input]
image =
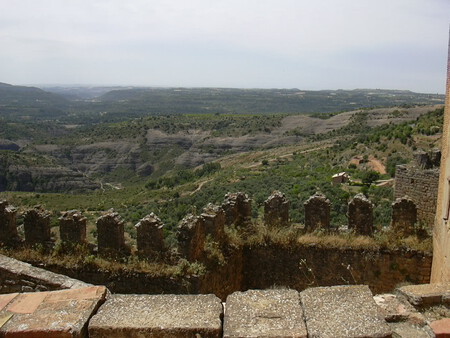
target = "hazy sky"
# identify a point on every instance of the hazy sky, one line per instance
(321, 44)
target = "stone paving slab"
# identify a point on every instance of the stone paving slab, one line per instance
(6, 299)
(426, 294)
(51, 314)
(264, 313)
(406, 330)
(343, 311)
(397, 309)
(158, 316)
(441, 328)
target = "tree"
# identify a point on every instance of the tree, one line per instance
(369, 177)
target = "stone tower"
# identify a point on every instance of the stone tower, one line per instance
(440, 271)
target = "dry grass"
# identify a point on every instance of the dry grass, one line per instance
(171, 265)
(81, 258)
(338, 241)
(293, 236)
(283, 236)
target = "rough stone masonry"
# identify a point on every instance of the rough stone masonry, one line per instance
(441, 230)
(36, 224)
(72, 227)
(317, 212)
(276, 210)
(8, 228)
(360, 215)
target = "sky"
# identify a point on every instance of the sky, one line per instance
(310, 45)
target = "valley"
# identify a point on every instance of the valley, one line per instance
(176, 163)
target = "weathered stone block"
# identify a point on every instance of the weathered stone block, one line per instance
(408, 330)
(36, 224)
(150, 237)
(425, 294)
(158, 316)
(213, 218)
(8, 227)
(360, 215)
(191, 238)
(72, 227)
(264, 313)
(317, 212)
(441, 328)
(404, 216)
(396, 309)
(428, 160)
(110, 233)
(238, 209)
(50, 314)
(342, 311)
(276, 210)
(26, 272)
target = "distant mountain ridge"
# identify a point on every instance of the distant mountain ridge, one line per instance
(122, 103)
(30, 101)
(250, 101)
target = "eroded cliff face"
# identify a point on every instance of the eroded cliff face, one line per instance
(43, 179)
(137, 149)
(152, 149)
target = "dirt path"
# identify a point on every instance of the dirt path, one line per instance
(254, 165)
(200, 186)
(377, 165)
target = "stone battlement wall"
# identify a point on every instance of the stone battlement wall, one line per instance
(263, 266)
(229, 266)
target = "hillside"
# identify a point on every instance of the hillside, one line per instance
(29, 102)
(152, 146)
(148, 165)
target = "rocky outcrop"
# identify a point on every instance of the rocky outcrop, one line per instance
(43, 179)
(8, 145)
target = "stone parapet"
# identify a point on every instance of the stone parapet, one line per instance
(336, 311)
